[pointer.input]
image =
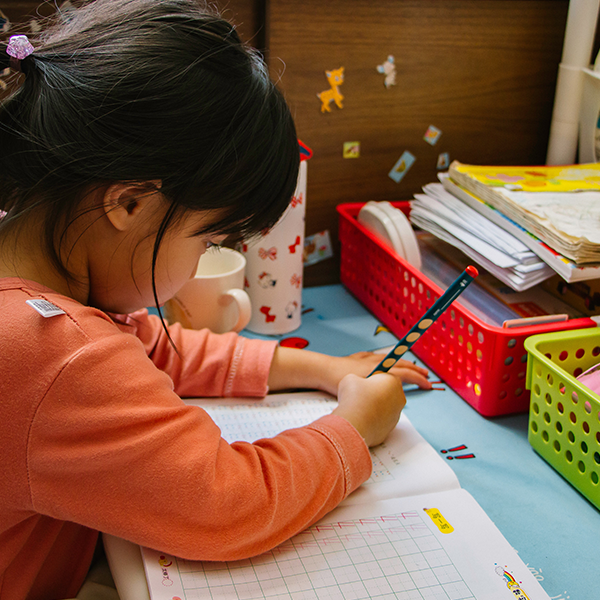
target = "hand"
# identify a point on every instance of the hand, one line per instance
(293, 368)
(371, 405)
(363, 363)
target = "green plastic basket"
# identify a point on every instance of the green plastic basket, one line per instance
(564, 415)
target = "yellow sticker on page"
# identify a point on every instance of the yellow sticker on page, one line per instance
(438, 518)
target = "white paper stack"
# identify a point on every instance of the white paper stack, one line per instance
(490, 246)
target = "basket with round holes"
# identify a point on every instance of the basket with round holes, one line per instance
(564, 418)
(484, 364)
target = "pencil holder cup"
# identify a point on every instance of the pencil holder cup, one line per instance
(274, 269)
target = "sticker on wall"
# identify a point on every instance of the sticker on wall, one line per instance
(432, 135)
(317, 247)
(335, 79)
(443, 161)
(351, 150)
(404, 163)
(388, 68)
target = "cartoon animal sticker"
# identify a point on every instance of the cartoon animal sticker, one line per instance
(432, 135)
(388, 68)
(335, 79)
(443, 161)
(403, 164)
(317, 247)
(351, 150)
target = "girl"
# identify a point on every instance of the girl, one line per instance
(143, 132)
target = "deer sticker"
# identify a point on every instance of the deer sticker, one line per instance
(335, 79)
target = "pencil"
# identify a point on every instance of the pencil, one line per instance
(437, 308)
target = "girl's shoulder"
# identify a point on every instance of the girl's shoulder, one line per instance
(36, 313)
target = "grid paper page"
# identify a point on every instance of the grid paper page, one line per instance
(401, 555)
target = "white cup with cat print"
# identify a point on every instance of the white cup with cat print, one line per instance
(214, 299)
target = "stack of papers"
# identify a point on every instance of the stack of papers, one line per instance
(565, 267)
(558, 204)
(499, 252)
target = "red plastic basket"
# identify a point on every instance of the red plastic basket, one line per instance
(485, 365)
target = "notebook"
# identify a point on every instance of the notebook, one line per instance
(410, 532)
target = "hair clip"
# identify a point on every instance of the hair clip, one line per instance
(19, 47)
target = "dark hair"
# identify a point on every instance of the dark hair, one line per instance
(138, 90)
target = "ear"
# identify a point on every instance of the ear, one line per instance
(124, 202)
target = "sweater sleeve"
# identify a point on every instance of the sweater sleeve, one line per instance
(203, 363)
(113, 448)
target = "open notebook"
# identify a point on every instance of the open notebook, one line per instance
(410, 532)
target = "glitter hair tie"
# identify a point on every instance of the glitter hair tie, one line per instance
(19, 47)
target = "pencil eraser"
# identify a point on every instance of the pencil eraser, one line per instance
(472, 271)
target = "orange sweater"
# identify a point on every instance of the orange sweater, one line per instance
(94, 437)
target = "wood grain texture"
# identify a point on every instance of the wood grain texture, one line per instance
(482, 71)
(247, 15)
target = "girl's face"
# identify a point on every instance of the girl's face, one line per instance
(122, 281)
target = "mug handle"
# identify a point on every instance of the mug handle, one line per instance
(244, 308)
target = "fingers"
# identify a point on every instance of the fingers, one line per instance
(374, 358)
(407, 364)
(410, 376)
(372, 405)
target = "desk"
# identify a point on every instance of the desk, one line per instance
(555, 530)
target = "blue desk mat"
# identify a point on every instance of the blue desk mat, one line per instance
(555, 530)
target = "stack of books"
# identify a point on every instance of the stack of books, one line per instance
(553, 210)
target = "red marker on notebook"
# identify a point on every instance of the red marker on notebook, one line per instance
(438, 307)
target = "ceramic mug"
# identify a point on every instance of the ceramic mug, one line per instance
(214, 298)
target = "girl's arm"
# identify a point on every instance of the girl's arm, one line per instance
(202, 363)
(112, 448)
(293, 368)
(229, 365)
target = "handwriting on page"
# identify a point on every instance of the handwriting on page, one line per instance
(250, 422)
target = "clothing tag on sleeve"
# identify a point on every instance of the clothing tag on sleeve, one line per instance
(45, 308)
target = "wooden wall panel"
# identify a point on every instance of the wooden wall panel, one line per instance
(482, 71)
(248, 16)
